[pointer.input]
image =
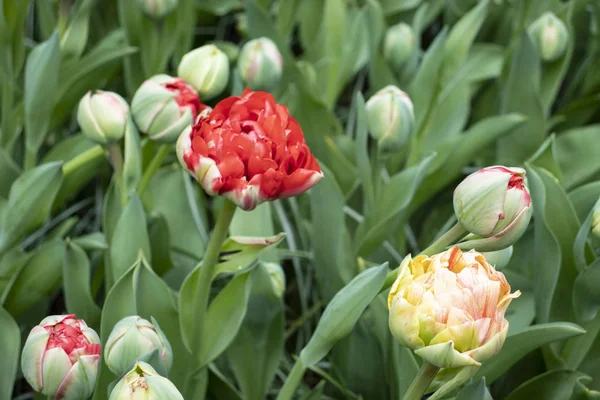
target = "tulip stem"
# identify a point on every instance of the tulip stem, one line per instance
(211, 256)
(453, 235)
(421, 382)
(292, 381)
(74, 164)
(116, 156)
(154, 165)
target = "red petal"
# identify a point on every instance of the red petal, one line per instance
(199, 146)
(258, 166)
(270, 184)
(231, 167)
(299, 182)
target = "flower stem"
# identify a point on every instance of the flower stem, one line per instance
(90, 154)
(292, 381)
(453, 235)
(154, 165)
(422, 381)
(209, 261)
(116, 156)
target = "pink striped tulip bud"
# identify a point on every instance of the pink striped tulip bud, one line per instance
(449, 308)
(60, 358)
(102, 116)
(260, 64)
(494, 205)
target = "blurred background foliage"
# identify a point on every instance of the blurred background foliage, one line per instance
(482, 96)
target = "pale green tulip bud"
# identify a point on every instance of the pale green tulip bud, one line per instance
(449, 308)
(260, 64)
(143, 382)
(500, 258)
(206, 69)
(390, 117)
(131, 338)
(157, 9)
(102, 116)
(60, 358)
(596, 220)
(494, 205)
(164, 106)
(277, 278)
(550, 36)
(399, 45)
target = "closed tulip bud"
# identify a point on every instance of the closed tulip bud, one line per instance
(596, 219)
(277, 278)
(260, 64)
(399, 45)
(449, 308)
(164, 106)
(550, 36)
(102, 116)
(143, 382)
(494, 205)
(390, 117)
(206, 69)
(157, 8)
(60, 358)
(500, 258)
(131, 338)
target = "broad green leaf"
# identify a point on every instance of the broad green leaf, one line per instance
(521, 313)
(65, 151)
(256, 351)
(11, 265)
(129, 238)
(586, 298)
(552, 385)
(224, 318)
(475, 391)
(576, 152)
(584, 197)
(238, 252)
(335, 263)
(10, 172)
(39, 278)
(345, 172)
(10, 346)
(76, 285)
(41, 83)
(220, 387)
(91, 241)
(517, 346)
(75, 37)
(342, 313)
(160, 244)
(29, 202)
(521, 93)
(391, 208)
(132, 159)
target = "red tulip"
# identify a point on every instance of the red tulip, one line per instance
(249, 150)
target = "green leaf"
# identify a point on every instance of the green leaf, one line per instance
(517, 346)
(10, 172)
(160, 244)
(391, 209)
(39, 278)
(238, 252)
(41, 83)
(75, 37)
(586, 299)
(10, 345)
(29, 202)
(256, 351)
(584, 197)
(342, 313)
(363, 163)
(576, 152)
(224, 318)
(91, 241)
(552, 385)
(475, 391)
(129, 238)
(76, 285)
(132, 159)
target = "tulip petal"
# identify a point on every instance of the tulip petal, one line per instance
(33, 357)
(55, 367)
(299, 182)
(444, 355)
(81, 379)
(491, 347)
(404, 323)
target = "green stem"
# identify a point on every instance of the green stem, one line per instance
(74, 164)
(292, 381)
(30, 158)
(453, 235)
(116, 156)
(422, 381)
(209, 261)
(155, 164)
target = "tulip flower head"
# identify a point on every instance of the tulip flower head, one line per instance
(495, 206)
(260, 64)
(249, 150)
(449, 308)
(164, 106)
(157, 8)
(206, 69)
(102, 116)
(143, 382)
(399, 45)
(61, 357)
(550, 36)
